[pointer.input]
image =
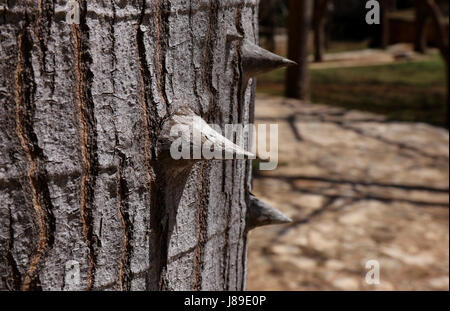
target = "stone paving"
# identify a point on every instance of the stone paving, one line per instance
(358, 188)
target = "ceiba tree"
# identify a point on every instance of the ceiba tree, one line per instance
(91, 199)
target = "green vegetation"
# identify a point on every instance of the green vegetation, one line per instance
(347, 46)
(409, 91)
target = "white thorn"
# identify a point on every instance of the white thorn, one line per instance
(262, 214)
(187, 118)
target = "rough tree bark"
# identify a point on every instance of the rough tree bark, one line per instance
(299, 28)
(82, 184)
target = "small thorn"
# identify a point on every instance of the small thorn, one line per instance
(262, 214)
(257, 60)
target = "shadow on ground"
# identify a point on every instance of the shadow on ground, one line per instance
(358, 188)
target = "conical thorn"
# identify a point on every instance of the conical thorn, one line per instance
(256, 60)
(262, 214)
(197, 135)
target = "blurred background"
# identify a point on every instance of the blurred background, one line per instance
(364, 146)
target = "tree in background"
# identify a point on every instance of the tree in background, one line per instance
(268, 20)
(386, 7)
(299, 28)
(420, 42)
(319, 20)
(426, 9)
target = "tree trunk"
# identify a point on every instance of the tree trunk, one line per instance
(86, 204)
(434, 12)
(320, 19)
(386, 7)
(299, 28)
(420, 42)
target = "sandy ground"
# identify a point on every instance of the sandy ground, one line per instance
(370, 57)
(358, 188)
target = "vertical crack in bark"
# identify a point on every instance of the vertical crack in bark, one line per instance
(244, 261)
(237, 100)
(43, 29)
(242, 88)
(202, 227)
(232, 105)
(208, 60)
(241, 85)
(248, 186)
(14, 277)
(151, 123)
(112, 50)
(191, 32)
(241, 230)
(88, 136)
(162, 31)
(237, 73)
(255, 23)
(226, 246)
(37, 175)
(127, 227)
(159, 223)
(150, 117)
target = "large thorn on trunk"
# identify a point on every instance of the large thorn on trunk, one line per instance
(256, 60)
(194, 126)
(262, 214)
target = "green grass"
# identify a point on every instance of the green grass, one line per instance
(347, 46)
(412, 91)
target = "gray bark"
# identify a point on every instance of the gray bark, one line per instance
(81, 107)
